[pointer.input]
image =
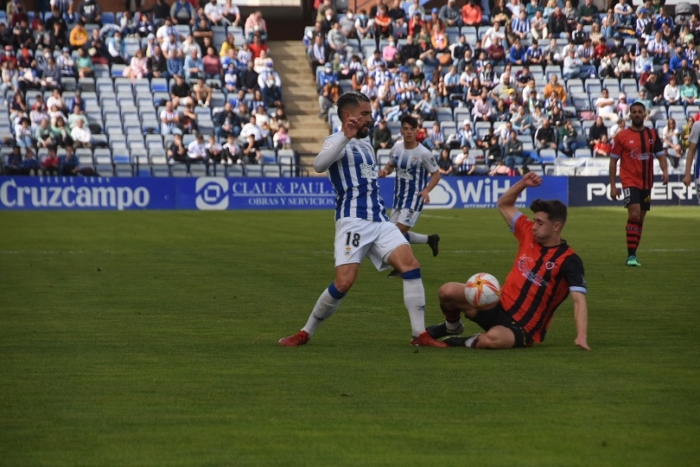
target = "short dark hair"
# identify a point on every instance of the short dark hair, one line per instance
(409, 120)
(555, 209)
(350, 98)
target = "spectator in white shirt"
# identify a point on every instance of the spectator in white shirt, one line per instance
(606, 107)
(197, 149)
(214, 13)
(81, 135)
(253, 135)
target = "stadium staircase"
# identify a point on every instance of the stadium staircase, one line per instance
(300, 100)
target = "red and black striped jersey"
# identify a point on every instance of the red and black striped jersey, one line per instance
(636, 151)
(540, 280)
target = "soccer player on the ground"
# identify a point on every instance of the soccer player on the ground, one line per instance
(362, 227)
(693, 154)
(544, 272)
(413, 163)
(635, 147)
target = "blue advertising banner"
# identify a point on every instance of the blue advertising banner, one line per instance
(595, 191)
(88, 193)
(483, 192)
(214, 193)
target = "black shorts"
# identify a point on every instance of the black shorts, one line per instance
(637, 196)
(497, 316)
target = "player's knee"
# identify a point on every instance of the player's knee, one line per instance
(449, 295)
(343, 284)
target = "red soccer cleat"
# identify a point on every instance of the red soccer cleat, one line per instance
(300, 338)
(424, 340)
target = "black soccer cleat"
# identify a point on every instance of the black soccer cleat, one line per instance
(456, 341)
(437, 331)
(433, 241)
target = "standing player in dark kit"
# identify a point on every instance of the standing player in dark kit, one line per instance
(635, 148)
(545, 271)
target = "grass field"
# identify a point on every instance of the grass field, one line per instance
(150, 338)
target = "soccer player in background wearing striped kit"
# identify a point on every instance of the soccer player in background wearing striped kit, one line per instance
(635, 148)
(693, 155)
(413, 163)
(362, 228)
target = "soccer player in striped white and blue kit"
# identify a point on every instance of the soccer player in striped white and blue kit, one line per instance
(693, 154)
(413, 163)
(362, 227)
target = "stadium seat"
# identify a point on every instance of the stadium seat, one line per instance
(253, 171)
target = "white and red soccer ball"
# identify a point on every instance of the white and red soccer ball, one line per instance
(482, 291)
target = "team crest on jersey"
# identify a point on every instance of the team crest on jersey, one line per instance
(368, 171)
(549, 265)
(348, 251)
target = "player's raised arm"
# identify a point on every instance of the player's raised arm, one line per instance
(332, 150)
(506, 203)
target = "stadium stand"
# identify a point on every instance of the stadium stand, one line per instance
(128, 82)
(437, 63)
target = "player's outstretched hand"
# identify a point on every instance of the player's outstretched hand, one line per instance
(581, 342)
(532, 179)
(382, 173)
(351, 126)
(425, 195)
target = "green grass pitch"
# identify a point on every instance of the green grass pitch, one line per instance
(150, 338)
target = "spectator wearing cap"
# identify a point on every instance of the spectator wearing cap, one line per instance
(415, 24)
(643, 63)
(66, 63)
(466, 135)
(435, 20)
(572, 66)
(644, 24)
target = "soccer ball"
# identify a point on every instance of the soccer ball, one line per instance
(482, 291)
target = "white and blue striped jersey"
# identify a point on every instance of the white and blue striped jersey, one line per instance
(412, 168)
(695, 138)
(352, 170)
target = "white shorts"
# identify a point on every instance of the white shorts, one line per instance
(357, 238)
(407, 217)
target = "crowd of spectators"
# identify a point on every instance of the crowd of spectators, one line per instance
(215, 68)
(500, 82)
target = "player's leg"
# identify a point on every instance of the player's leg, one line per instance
(633, 227)
(401, 258)
(453, 303)
(353, 239)
(405, 219)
